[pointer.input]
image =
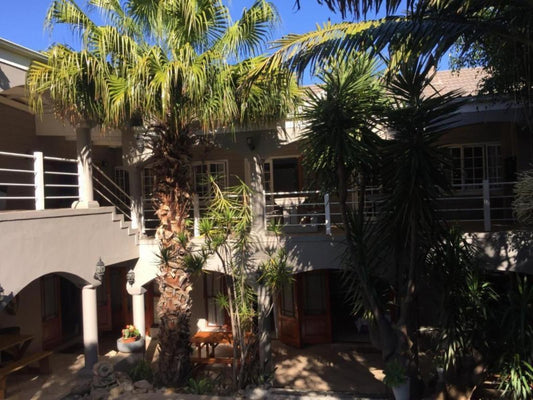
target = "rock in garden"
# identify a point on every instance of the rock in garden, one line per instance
(115, 392)
(81, 389)
(99, 394)
(127, 386)
(143, 385)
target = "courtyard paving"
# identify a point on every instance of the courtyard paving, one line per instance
(330, 372)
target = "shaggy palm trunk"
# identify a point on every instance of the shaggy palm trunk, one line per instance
(172, 200)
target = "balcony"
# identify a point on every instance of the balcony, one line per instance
(35, 181)
(481, 207)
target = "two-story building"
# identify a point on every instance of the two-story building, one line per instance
(72, 196)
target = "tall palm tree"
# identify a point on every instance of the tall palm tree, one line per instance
(177, 67)
(426, 26)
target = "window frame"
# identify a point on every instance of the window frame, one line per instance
(486, 168)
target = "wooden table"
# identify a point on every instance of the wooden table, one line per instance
(15, 344)
(210, 339)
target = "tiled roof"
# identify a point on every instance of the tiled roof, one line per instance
(466, 80)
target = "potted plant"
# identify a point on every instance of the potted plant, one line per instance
(396, 378)
(130, 334)
(130, 341)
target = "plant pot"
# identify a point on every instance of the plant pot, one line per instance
(127, 346)
(401, 392)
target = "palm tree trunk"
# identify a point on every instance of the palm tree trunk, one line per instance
(171, 151)
(174, 309)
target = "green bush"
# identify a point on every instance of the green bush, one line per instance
(200, 386)
(395, 374)
(141, 370)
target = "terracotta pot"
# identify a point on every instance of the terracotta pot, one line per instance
(130, 339)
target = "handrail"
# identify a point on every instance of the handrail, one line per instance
(111, 193)
(112, 182)
(19, 155)
(71, 160)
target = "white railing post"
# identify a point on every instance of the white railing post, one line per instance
(38, 169)
(486, 205)
(327, 214)
(265, 219)
(196, 215)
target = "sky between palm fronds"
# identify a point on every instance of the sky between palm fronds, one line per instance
(22, 22)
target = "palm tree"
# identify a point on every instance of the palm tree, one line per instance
(177, 66)
(427, 26)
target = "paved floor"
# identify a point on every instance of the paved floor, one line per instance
(329, 372)
(337, 367)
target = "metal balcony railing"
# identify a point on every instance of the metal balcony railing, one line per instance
(484, 204)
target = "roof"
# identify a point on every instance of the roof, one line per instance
(21, 50)
(466, 80)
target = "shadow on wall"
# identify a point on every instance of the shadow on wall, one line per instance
(508, 251)
(4, 80)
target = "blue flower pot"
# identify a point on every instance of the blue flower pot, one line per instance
(130, 347)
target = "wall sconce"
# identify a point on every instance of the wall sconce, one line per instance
(100, 270)
(130, 277)
(250, 142)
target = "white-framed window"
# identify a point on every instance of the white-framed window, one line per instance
(472, 163)
(282, 174)
(122, 181)
(201, 173)
(213, 287)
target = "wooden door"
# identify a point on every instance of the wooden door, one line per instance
(51, 311)
(121, 303)
(315, 307)
(103, 296)
(288, 316)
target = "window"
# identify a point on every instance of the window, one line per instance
(288, 308)
(202, 172)
(471, 164)
(214, 287)
(122, 181)
(282, 175)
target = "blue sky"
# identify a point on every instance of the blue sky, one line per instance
(21, 21)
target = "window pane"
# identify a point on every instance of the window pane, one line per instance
(314, 294)
(287, 300)
(494, 163)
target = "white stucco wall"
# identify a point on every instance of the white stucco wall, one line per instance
(36, 243)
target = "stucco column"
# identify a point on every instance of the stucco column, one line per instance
(85, 169)
(258, 199)
(132, 161)
(264, 301)
(90, 325)
(138, 312)
(134, 177)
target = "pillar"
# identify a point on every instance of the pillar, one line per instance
(264, 304)
(138, 312)
(132, 162)
(90, 325)
(85, 169)
(134, 178)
